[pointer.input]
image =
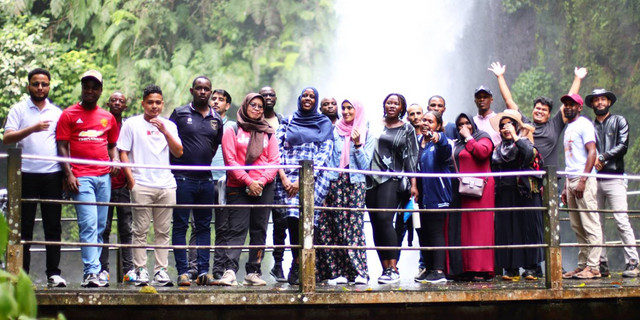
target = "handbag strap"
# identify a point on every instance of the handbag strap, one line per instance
(455, 166)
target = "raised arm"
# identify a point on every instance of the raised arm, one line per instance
(499, 71)
(579, 73)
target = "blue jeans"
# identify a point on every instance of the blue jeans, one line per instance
(193, 191)
(91, 218)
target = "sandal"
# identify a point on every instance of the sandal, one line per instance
(588, 273)
(571, 274)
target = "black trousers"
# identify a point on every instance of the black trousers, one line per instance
(280, 226)
(241, 220)
(431, 234)
(384, 196)
(42, 186)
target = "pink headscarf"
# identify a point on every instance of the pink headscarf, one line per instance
(344, 129)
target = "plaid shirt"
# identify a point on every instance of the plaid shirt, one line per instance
(319, 152)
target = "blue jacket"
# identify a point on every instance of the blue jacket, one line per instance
(360, 158)
(434, 158)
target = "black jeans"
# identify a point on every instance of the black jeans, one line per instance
(42, 186)
(241, 220)
(280, 226)
(431, 234)
(121, 195)
(384, 196)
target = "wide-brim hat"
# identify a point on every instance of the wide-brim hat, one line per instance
(588, 100)
(514, 115)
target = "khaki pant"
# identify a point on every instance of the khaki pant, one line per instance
(612, 194)
(161, 224)
(586, 224)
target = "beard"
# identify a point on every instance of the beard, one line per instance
(601, 112)
(38, 99)
(570, 114)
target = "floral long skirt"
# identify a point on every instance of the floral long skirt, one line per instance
(342, 228)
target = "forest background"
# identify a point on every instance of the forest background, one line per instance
(243, 45)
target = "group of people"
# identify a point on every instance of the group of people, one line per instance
(331, 135)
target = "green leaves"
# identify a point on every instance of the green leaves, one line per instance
(26, 297)
(17, 298)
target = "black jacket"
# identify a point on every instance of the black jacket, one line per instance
(612, 142)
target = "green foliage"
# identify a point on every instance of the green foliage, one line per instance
(529, 85)
(17, 298)
(602, 36)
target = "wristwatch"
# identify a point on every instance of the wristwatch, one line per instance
(601, 158)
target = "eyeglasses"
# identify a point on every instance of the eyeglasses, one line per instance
(501, 126)
(38, 84)
(255, 106)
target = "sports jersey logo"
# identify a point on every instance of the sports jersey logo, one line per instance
(243, 139)
(214, 125)
(79, 121)
(189, 121)
(90, 134)
(104, 122)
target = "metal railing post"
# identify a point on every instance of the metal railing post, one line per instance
(553, 254)
(307, 253)
(14, 209)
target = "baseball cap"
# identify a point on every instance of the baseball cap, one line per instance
(481, 89)
(92, 74)
(572, 96)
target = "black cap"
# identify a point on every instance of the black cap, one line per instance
(481, 89)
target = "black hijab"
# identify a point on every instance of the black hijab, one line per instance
(477, 134)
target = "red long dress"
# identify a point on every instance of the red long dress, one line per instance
(477, 227)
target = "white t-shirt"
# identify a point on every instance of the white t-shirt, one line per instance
(147, 145)
(577, 134)
(43, 143)
(484, 124)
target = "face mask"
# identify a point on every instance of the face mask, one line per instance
(601, 112)
(570, 114)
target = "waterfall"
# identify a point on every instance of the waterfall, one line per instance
(409, 47)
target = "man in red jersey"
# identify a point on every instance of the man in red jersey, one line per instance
(86, 131)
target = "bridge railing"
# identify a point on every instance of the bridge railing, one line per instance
(552, 245)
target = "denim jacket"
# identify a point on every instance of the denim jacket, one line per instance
(360, 158)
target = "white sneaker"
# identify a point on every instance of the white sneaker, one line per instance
(228, 279)
(360, 280)
(143, 277)
(337, 281)
(162, 278)
(389, 276)
(130, 276)
(103, 277)
(56, 281)
(253, 279)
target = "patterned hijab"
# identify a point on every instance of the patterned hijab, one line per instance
(344, 130)
(257, 128)
(308, 125)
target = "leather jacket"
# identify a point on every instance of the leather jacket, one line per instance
(612, 142)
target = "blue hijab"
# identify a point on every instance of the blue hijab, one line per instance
(308, 126)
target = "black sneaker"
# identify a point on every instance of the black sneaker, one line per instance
(277, 273)
(604, 268)
(294, 275)
(421, 275)
(436, 276)
(193, 274)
